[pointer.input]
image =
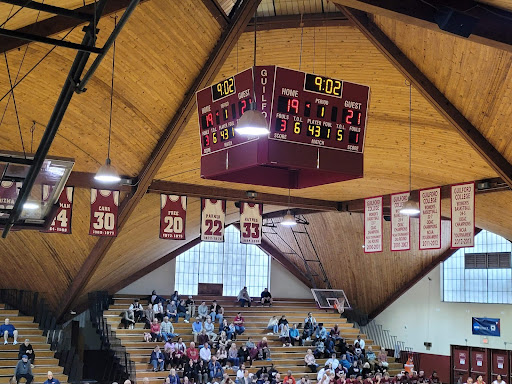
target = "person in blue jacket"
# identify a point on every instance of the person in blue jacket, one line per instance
(8, 330)
(173, 377)
(157, 359)
(51, 379)
(216, 371)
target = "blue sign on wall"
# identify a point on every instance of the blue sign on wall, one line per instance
(486, 326)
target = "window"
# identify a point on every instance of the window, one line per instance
(481, 274)
(230, 263)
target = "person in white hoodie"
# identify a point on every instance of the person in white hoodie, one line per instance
(272, 326)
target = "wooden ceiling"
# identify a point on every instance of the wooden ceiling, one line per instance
(160, 53)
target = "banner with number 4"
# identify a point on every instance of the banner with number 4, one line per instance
(251, 221)
(213, 217)
(173, 215)
(62, 220)
(104, 207)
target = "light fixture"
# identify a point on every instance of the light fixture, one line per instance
(410, 207)
(253, 121)
(289, 219)
(30, 205)
(107, 173)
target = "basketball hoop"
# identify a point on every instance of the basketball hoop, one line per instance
(339, 305)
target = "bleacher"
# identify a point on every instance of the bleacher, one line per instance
(27, 329)
(256, 319)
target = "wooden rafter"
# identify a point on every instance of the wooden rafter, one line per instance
(331, 19)
(433, 95)
(58, 24)
(166, 142)
(493, 27)
(217, 12)
(421, 274)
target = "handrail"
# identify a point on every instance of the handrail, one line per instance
(122, 367)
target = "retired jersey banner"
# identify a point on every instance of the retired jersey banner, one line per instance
(9, 191)
(213, 216)
(463, 215)
(104, 207)
(400, 224)
(373, 224)
(62, 221)
(430, 218)
(173, 215)
(251, 221)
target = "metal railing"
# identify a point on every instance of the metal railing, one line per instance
(121, 367)
(33, 304)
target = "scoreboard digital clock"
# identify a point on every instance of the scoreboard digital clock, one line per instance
(312, 115)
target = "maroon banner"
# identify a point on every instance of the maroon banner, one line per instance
(251, 222)
(62, 221)
(173, 215)
(104, 207)
(430, 218)
(463, 215)
(213, 217)
(9, 191)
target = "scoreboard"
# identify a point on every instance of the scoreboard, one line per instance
(314, 122)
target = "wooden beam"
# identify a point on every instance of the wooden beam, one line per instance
(433, 95)
(207, 75)
(193, 190)
(495, 185)
(331, 19)
(58, 24)
(493, 27)
(424, 272)
(217, 12)
(114, 288)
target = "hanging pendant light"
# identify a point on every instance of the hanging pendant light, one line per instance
(289, 219)
(253, 121)
(107, 174)
(410, 207)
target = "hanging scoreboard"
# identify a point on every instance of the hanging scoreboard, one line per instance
(317, 127)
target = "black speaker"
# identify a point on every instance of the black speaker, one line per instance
(453, 21)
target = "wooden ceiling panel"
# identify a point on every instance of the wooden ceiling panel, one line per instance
(437, 147)
(477, 79)
(153, 72)
(47, 262)
(504, 4)
(368, 279)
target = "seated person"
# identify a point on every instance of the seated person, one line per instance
(361, 342)
(209, 327)
(272, 325)
(155, 331)
(329, 346)
(8, 330)
(179, 359)
(26, 349)
(224, 327)
(294, 335)
(310, 361)
(157, 359)
(282, 321)
(183, 311)
(370, 356)
(190, 371)
(354, 370)
(342, 346)
(215, 368)
(239, 323)
(233, 358)
(321, 332)
(191, 306)
(137, 309)
(167, 329)
(197, 327)
(175, 297)
(148, 316)
(159, 311)
(171, 311)
(168, 354)
(333, 362)
(253, 351)
(320, 349)
(23, 370)
(307, 332)
(244, 298)
(202, 338)
(202, 372)
(128, 319)
(284, 335)
(335, 332)
(173, 377)
(345, 364)
(289, 377)
(51, 379)
(310, 319)
(205, 353)
(263, 349)
(202, 311)
(216, 312)
(222, 355)
(383, 357)
(244, 355)
(358, 352)
(266, 297)
(192, 352)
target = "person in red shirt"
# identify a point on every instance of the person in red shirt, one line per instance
(289, 377)
(239, 324)
(155, 330)
(192, 352)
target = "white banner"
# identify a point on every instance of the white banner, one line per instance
(463, 215)
(251, 222)
(213, 216)
(400, 224)
(373, 224)
(430, 218)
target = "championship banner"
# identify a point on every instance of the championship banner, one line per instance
(104, 207)
(430, 218)
(463, 215)
(213, 216)
(173, 216)
(400, 224)
(9, 191)
(485, 326)
(62, 221)
(373, 225)
(251, 222)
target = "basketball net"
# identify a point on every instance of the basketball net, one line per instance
(339, 305)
